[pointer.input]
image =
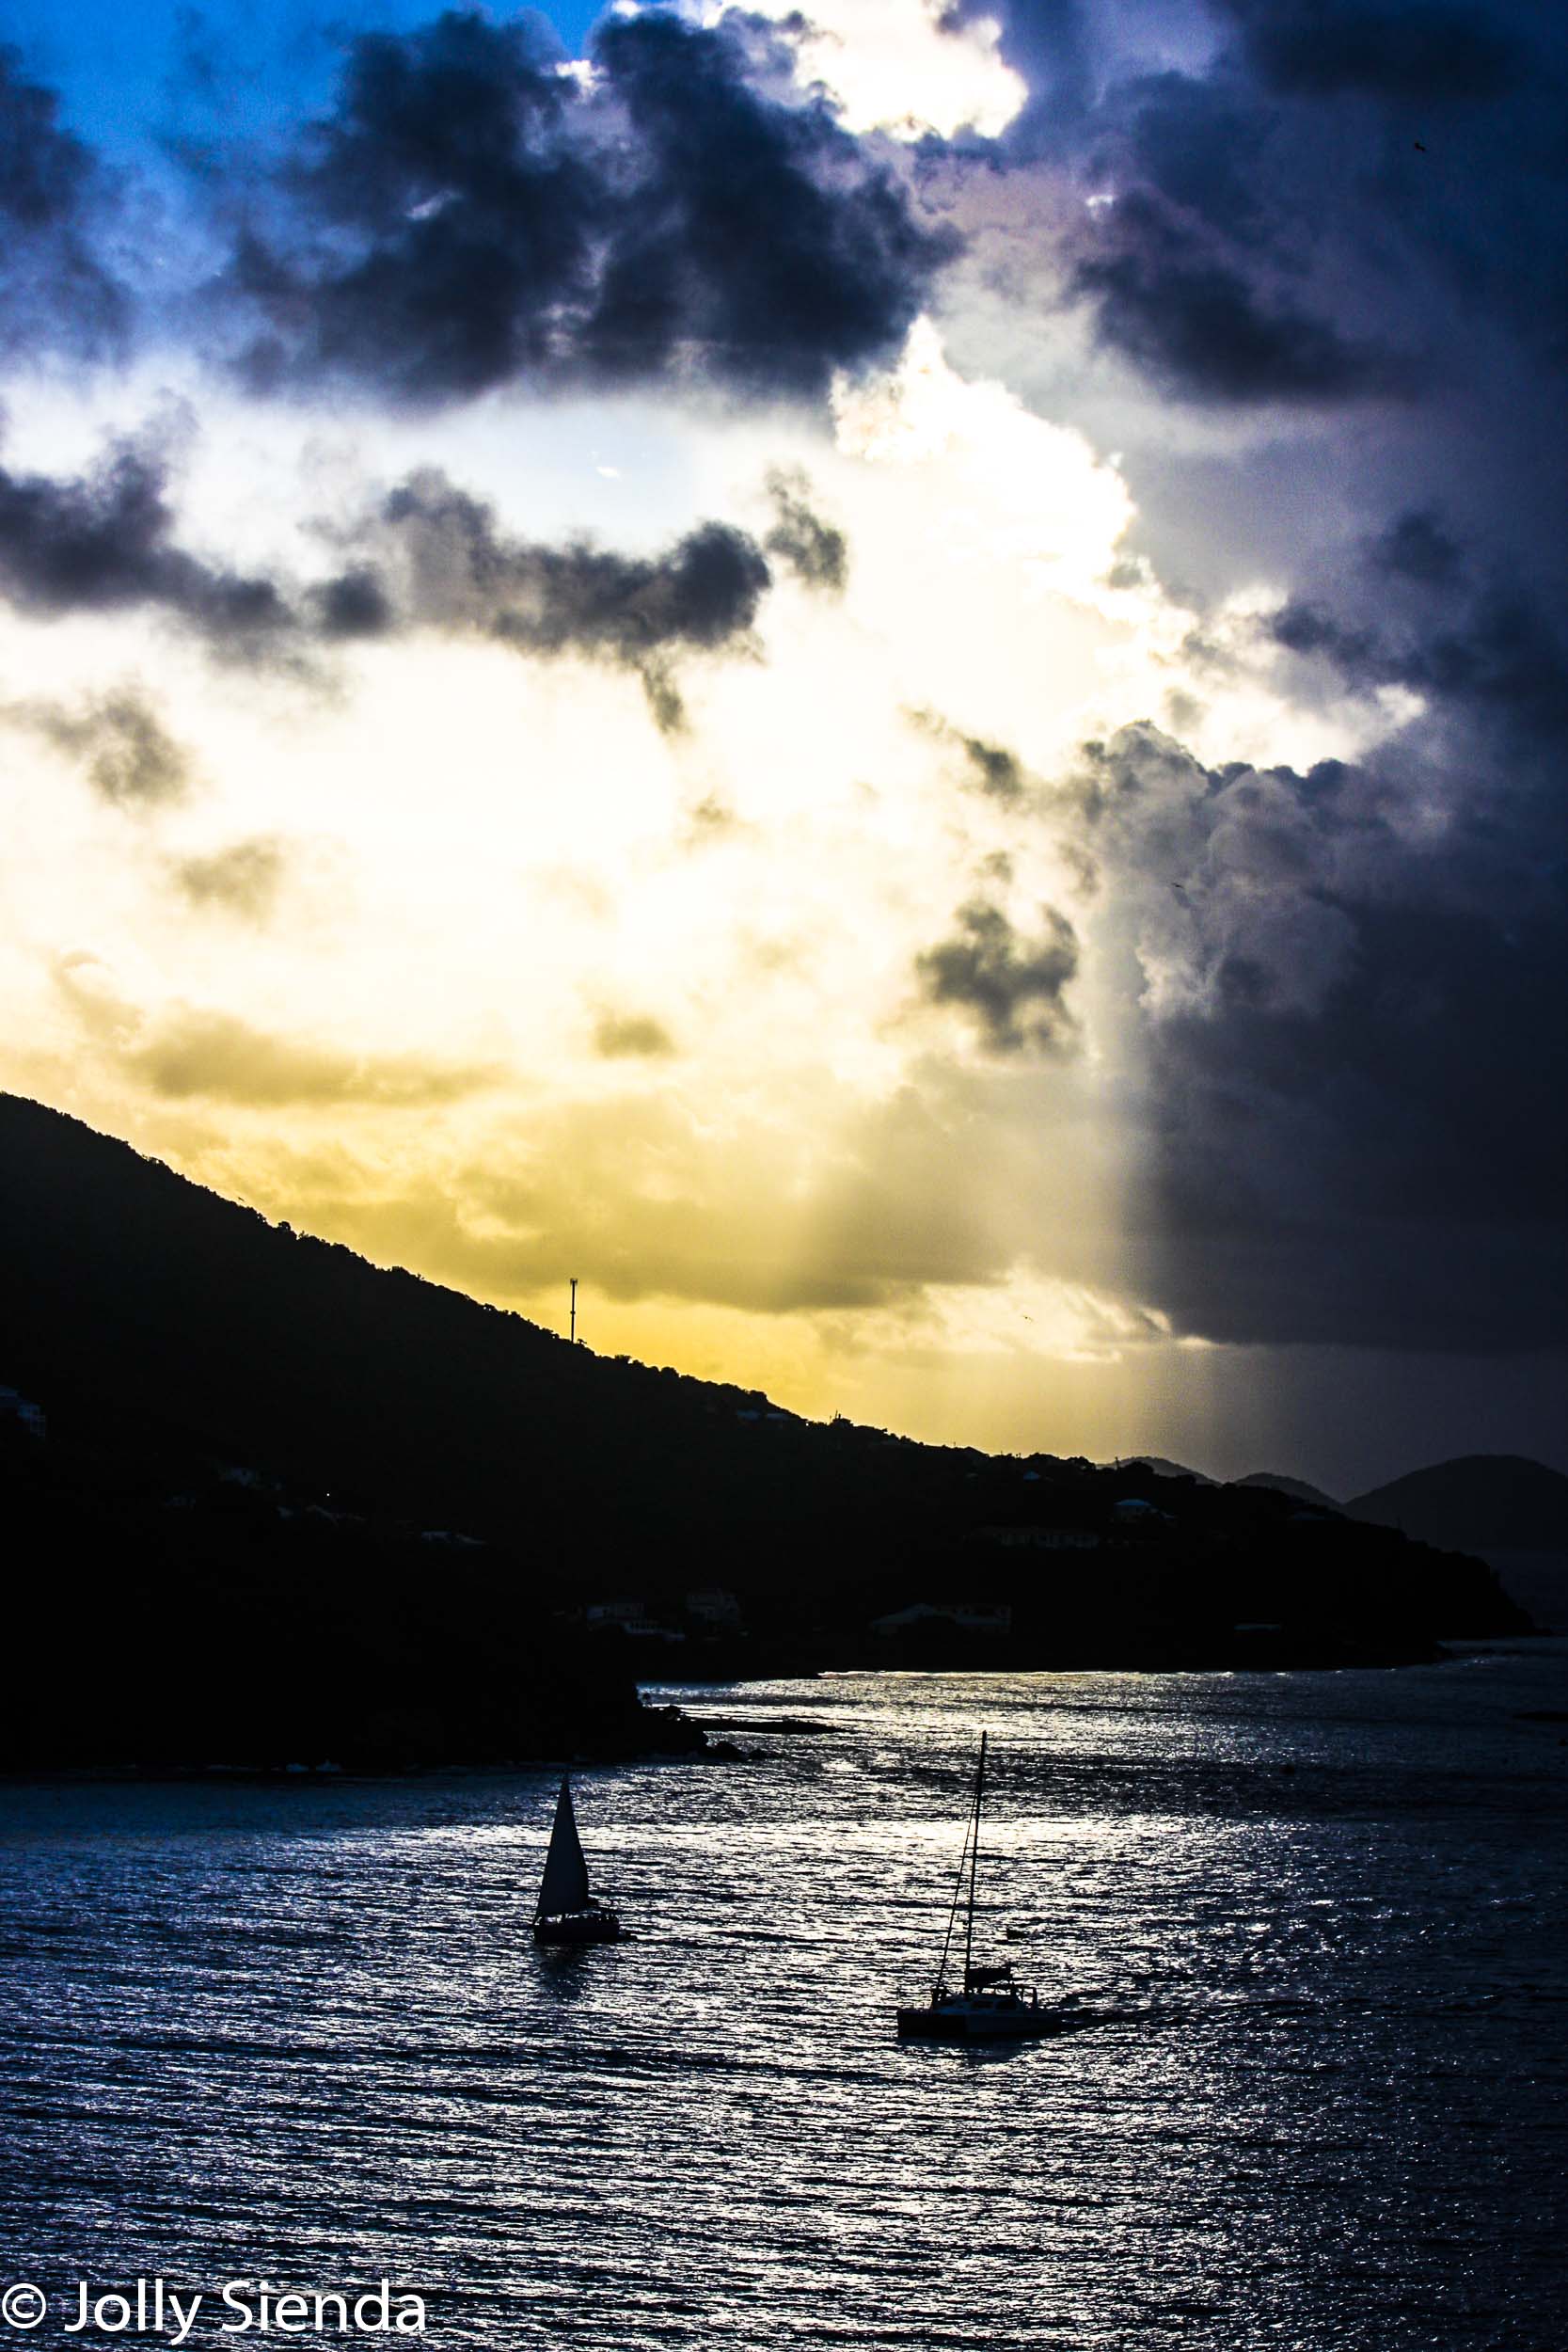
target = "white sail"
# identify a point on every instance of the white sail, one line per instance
(564, 1886)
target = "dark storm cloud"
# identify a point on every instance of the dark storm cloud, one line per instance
(1415, 547)
(1350, 984)
(55, 292)
(1054, 45)
(816, 551)
(471, 215)
(1290, 216)
(703, 591)
(430, 556)
(460, 567)
(1490, 653)
(443, 219)
(1197, 319)
(354, 604)
(1351, 1131)
(129, 756)
(1013, 987)
(1411, 50)
(104, 541)
(439, 558)
(1193, 253)
(472, 212)
(757, 225)
(1203, 146)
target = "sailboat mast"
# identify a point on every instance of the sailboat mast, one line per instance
(974, 1862)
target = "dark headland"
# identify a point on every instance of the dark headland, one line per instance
(265, 1503)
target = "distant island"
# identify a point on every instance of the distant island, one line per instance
(268, 1506)
(1508, 1510)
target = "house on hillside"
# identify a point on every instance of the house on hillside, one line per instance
(713, 1606)
(989, 1619)
(629, 1616)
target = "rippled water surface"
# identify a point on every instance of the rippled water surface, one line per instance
(1313, 1928)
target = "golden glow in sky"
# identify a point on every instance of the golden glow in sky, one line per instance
(878, 678)
(449, 950)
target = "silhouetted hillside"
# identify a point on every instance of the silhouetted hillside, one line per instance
(1299, 1490)
(1162, 1468)
(283, 1488)
(1479, 1502)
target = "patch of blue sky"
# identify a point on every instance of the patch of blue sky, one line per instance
(132, 75)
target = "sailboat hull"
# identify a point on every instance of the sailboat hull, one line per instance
(581, 1927)
(970, 2017)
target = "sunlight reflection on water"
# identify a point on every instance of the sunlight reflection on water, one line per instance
(1313, 1925)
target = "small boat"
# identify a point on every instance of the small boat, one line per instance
(566, 1912)
(988, 2004)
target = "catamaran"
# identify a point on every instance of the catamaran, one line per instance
(566, 1912)
(989, 2005)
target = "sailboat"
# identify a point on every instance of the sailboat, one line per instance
(988, 2005)
(566, 1912)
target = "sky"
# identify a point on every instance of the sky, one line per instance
(887, 680)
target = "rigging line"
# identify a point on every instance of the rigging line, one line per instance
(953, 1913)
(974, 1863)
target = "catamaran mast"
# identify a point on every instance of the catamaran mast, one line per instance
(974, 1863)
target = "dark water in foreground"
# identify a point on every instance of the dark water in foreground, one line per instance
(1316, 2102)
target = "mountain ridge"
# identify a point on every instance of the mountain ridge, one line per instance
(238, 1409)
(1484, 1502)
(1299, 1490)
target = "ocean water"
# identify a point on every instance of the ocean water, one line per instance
(1312, 1928)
